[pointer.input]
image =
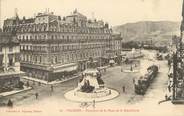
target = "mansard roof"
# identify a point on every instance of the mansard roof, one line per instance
(32, 27)
(30, 20)
(8, 39)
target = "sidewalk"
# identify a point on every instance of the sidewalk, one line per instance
(46, 82)
(4, 94)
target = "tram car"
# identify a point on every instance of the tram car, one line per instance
(142, 83)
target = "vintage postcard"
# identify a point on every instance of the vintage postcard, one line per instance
(91, 57)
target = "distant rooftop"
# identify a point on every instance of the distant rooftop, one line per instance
(76, 13)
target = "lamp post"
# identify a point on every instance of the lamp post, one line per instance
(174, 75)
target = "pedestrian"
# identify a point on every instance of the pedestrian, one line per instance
(27, 84)
(169, 88)
(109, 91)
(39, 83)
(133, 80)
(36, 95)
(93, 103)
(166, 97)
(10, 103)
(52, 88)
(123, 89)
(131, 68)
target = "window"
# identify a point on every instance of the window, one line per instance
(35, 58)
(68, 47)
(1, 49)
(27, 37)
(11, 61)
(35, 37)
(72, 57)
(11, 49)
(40, 59)
(56, 59)
(67, 38)
(21, 47)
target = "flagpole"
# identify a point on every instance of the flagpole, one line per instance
(0, 14)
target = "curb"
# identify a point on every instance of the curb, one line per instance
(49, 83)
(16, 92)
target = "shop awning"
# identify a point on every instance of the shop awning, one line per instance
(67, 69)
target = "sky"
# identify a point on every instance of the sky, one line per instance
(115, 12)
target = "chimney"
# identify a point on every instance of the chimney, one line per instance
(16, 12)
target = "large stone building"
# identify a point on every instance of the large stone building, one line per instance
(51, 46)
(176, 82)
(9, 62)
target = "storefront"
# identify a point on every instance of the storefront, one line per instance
(63, 72)
(50, 73)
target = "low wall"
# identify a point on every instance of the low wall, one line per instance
(98, 94)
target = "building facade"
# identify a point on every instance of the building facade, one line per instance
(52, 46)
(176, 83)
(9, 62)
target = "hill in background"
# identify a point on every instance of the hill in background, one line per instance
(159, 32)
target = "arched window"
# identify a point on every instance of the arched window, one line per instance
(68, 38)
(36, 59)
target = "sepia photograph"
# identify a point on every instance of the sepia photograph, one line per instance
(91, 57)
